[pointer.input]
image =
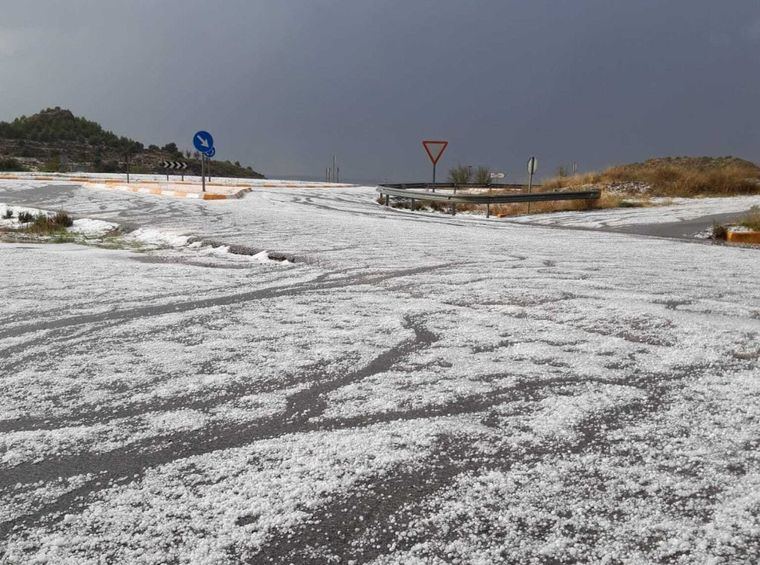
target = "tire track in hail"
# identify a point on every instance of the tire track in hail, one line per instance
(127, 464)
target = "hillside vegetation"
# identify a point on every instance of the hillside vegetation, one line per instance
(672, 176)
(57, 125)
(55, 140)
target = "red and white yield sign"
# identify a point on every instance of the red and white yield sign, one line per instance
(435, 149)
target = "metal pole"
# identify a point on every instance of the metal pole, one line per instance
(433, 177)
(337, 174)
(203, 172)
(208, 168)
(530, 187)
(333, 169)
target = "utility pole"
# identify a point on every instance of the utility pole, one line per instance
(337, 175)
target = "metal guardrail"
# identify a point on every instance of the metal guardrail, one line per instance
(411, 191)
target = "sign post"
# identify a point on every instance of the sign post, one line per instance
(532, 168)
(204, 143)
(434, 149)
(209, 156)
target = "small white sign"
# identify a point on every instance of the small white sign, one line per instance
(532, 166)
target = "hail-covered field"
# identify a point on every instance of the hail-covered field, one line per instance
(407, 389)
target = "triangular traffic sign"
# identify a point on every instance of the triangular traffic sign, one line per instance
(435, 149)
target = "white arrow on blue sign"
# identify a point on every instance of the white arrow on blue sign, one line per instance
(203, 142)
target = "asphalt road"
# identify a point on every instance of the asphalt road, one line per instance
(413, 389)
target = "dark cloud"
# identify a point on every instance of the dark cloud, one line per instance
(284, 84)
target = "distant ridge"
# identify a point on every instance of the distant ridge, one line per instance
(56, 140)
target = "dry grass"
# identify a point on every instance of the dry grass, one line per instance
(605, 201)
(752, 219)
(676, 176)
(517, 209)
(44, 224)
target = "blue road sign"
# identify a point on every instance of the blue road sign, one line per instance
(210, 153)
(203, 142)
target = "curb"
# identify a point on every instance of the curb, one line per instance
(744, 237)
(162, 192)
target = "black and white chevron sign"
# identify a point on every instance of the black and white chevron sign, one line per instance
(174, 165)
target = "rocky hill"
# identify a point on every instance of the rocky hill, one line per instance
(55, 140)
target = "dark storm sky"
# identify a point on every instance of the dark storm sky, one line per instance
(284, 84)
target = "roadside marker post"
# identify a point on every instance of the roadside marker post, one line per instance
(532, 168)
(174, 165)
(435, 150)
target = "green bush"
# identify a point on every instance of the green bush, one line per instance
(11, 164)
(53, 165)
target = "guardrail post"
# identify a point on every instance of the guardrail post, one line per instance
(453, 209)
(387, 200)
(488, 210)
(412, 204)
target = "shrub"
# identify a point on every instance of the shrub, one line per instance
(25, 217)
(460, 174)
(62, 219)
(53, 165)
(8, 214)
(11, 164)
(719, 232)
(483, 176)
(44, 224)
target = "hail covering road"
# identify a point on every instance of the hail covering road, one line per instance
(413, 389)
